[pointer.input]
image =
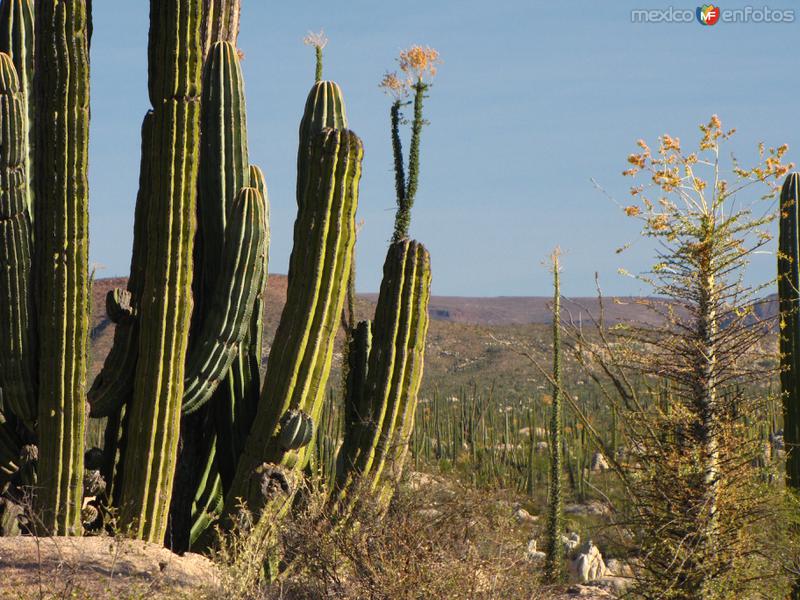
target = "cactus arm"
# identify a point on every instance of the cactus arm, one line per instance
(323, 246)
(114, 384)
(789, 300)
(17, 323)
(221, 386)
(412, 377)
(256, 333)
(392, 382)
(231, 307)
(390, 321)
(224, 167)
(61, 257)
(175, 56)
(17, 40)
(220, 22)
(324, 108)
(208, 502)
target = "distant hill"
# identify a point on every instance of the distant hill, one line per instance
(471, 342)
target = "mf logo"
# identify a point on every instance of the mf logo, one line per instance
(708, 14)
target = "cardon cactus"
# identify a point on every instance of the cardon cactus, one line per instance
(17, 40)
(220, 22)
(380, 416)
(17, 320)
(222, 379)
(227, 322)
(209, 448)
(175, 56)
(324, 236)
(225, 297)
(789, 297)
(324, 108)
(189, 325)
(62, 255)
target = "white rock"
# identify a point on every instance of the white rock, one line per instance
(532, 553)
(588, 564)
(570, 542)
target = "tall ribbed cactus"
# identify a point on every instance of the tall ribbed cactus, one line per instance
(17, 40)
(17, 321)
(223, 158)
(324, 108)
(175, 60)
(222, 378)
(220, 22)
(380, 416)
(324, 235)
(244, 253)
(789, 296)
(62, 255)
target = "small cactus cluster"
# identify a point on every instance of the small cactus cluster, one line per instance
(191, 431)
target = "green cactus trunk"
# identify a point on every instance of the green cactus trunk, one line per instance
(17, 40)
(377, 438)
(324, 108)
(220, 22)
(62, 255)
(175, 60)
(222, 383)
(245, 256)
(17, 320)
(297, 373)
(225, 302)
(789, 297)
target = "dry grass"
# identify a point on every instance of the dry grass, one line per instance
(438, 540)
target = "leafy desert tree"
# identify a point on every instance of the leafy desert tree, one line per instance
(687, 391)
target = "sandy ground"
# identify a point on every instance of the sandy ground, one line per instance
(98, 567)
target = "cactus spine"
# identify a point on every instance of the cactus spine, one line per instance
(61, 255)
(175, 56)
(17, 322)
(789, 297)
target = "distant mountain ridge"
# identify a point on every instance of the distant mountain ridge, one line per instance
(472, 342)
(496, 310)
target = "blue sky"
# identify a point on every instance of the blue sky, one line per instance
(533, 100)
